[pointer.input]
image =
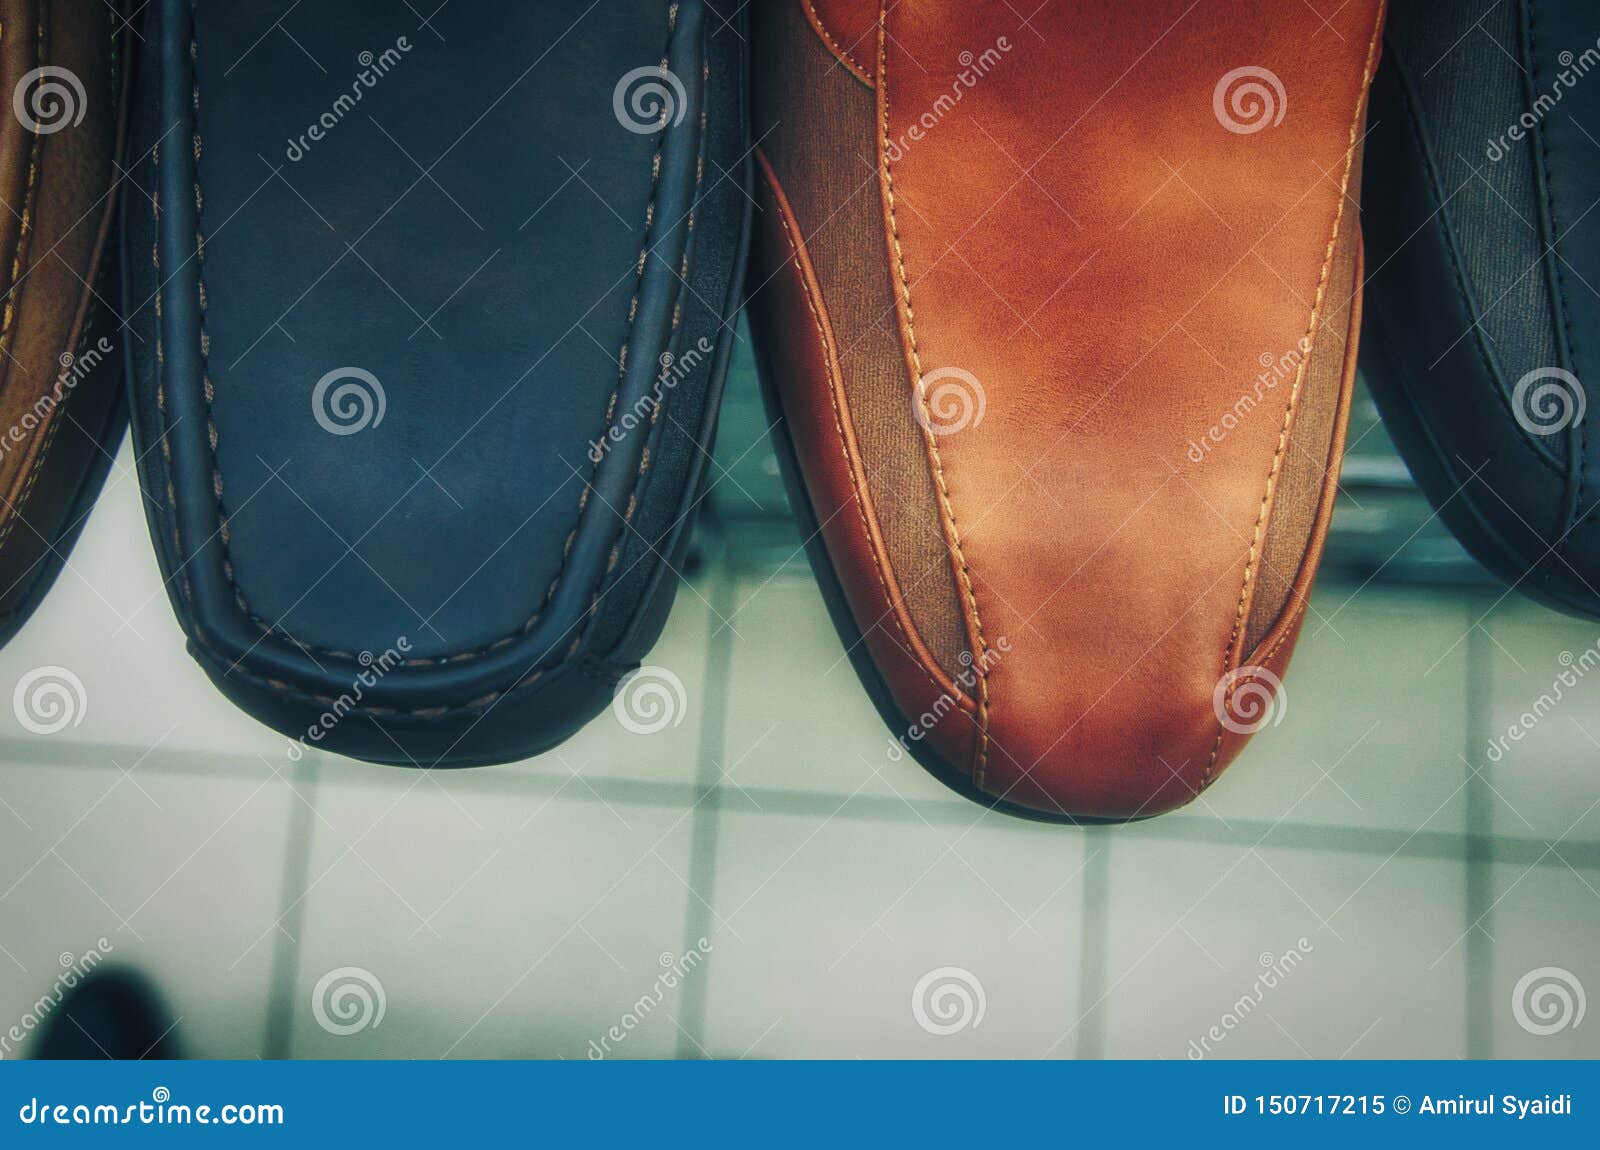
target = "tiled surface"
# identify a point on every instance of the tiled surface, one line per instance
(534, 909)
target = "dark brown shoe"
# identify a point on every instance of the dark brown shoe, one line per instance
(62, 70)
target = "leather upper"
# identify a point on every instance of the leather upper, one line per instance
(1482, 349)
(62, 68)
(432, 341)
(1094, 243)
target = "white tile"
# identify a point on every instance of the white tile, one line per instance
(1541, 748)
(663, 743)
(497, 925)
(1545, 919)
(180, 871)
(108, 622)
(826, 925)
(798, 717)
(1287, 954)
(1371, 735)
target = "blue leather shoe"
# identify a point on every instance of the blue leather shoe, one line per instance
(1482, 324)
(431, 317)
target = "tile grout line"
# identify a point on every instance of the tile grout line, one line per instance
(291, 917)
(1095, 951)
(1338, 838)
(1479, 983)
(706, 820)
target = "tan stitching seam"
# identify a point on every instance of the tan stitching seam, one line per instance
(838, 425)
(583, 497)
(834, 46)
(645, 459)
(1300, 377)
(207, 387)
(24, 233)
(980, 660)
(23, 229)
(622, 357)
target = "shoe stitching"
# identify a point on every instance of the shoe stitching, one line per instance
(13, 511)
(838, 424)
(981, 656)
(840, 52)
(209, 392)
(1294, 396)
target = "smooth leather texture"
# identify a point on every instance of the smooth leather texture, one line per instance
(1106, 265)
(521, 273)
(63, 62)
(1519, 486)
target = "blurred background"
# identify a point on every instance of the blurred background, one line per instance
(760, 879)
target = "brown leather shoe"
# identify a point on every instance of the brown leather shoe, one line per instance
(61, 408)
(1059, 315)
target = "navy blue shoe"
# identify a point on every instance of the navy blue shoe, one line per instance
(430, 322)
(1482, 324)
